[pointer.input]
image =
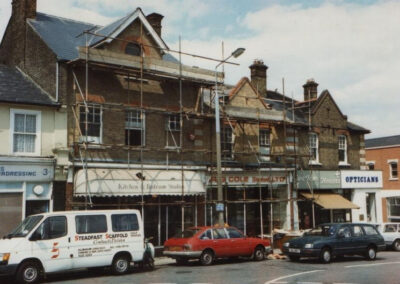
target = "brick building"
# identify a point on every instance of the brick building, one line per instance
(383, 154)
(140, 129)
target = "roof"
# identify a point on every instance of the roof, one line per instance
(64, 36)
(15, 87)
(382, 141)
(355, 127)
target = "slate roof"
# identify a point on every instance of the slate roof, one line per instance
(382, 141)
(64, 36)
(355, 127)
(16, 88)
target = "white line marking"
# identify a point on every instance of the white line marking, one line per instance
(291, 275)
(373, 264)
(309, 283)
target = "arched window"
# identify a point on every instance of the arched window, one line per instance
(133, 49)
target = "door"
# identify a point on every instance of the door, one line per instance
(342, 244)
(221, 243)
(238, 242)
(51, 244)
(358, 240)
(10, 212)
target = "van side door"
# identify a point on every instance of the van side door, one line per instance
(127, 234)
(50, 243)
(91, 247)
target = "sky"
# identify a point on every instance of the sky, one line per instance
(351, 48)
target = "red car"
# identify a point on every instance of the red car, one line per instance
(209, 243)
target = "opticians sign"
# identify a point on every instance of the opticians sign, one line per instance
(361, 179)
(18, 173)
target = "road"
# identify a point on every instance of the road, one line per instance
(385, 269)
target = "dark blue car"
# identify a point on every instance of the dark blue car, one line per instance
(329, 240)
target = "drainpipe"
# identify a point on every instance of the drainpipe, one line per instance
(57, 80)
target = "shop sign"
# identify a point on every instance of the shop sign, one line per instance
(238, 179)
(13, 173)
(361, 179)
(318, 179)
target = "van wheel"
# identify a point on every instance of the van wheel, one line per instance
(396, 245)
(371, 253)
(120, 265)
(258, 254)
(207, 257)
(28, 272)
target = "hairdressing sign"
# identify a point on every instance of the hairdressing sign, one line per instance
(26, 172)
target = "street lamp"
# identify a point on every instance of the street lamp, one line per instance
(220, 205)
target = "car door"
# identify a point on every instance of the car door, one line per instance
(221, 243)
(238, 242)
(342, 244)
(359, 241)
(51, 244)
(205, 240)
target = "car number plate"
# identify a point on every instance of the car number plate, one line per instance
(294, 250)
(175, 248)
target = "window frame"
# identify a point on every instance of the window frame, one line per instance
(343, 147)
(136, 45)
(312, 160)
(90, 215)
(38, 140)
(176, 120)
(142, 127)
(264, 143)
(227, 154)
(391, 163)
(118, 215)
(92, 139)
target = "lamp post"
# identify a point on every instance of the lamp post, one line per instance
(220, 194)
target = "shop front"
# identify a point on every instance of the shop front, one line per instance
(170, 200)
(25, 189)
(366, 187)
(322, 199)
(255, 202)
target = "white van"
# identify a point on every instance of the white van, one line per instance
(59, 241)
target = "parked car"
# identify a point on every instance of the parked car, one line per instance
(391, 234)
(209, 243)
(60, 241)
(329, 240)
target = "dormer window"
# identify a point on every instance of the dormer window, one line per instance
(133, 48)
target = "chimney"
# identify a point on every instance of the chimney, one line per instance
(310, 90)
(258, 75)
(155, 21)
(24, 8)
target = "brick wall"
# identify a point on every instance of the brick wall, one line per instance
(380, 157)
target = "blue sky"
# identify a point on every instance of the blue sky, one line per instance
(351, 48)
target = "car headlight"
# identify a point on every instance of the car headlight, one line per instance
(309, 246)
(4, 256)
(286, 245)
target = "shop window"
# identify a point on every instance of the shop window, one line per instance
(25, 126)
(393, 204)
(393, 169)
(134, 128)
(133, 48)
(313, 145)
(124, 222)
(342, 147)
(173, 127)
(265, 144)
(91, 116)
(226, 143)
(91, 224)
(51, 228)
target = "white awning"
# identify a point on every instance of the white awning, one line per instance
(121, 182)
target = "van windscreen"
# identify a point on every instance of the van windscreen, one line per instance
(25, 227)
(124, 222)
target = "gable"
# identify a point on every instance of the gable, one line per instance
(327, 112)
(244, 95)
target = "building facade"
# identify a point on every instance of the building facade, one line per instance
(383, 154)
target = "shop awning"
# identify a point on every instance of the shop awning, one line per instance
(331, 201)
(123, 182)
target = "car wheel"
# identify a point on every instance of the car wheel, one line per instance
(294, 257)
(371, 253)
(28, 272)
(396, 245)
(207, 257)
(259, 253)
(326, 255)
(120, 265)
(181, 261)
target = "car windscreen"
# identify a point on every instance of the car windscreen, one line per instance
(186, 233)
(25, 227)
(323, 230)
